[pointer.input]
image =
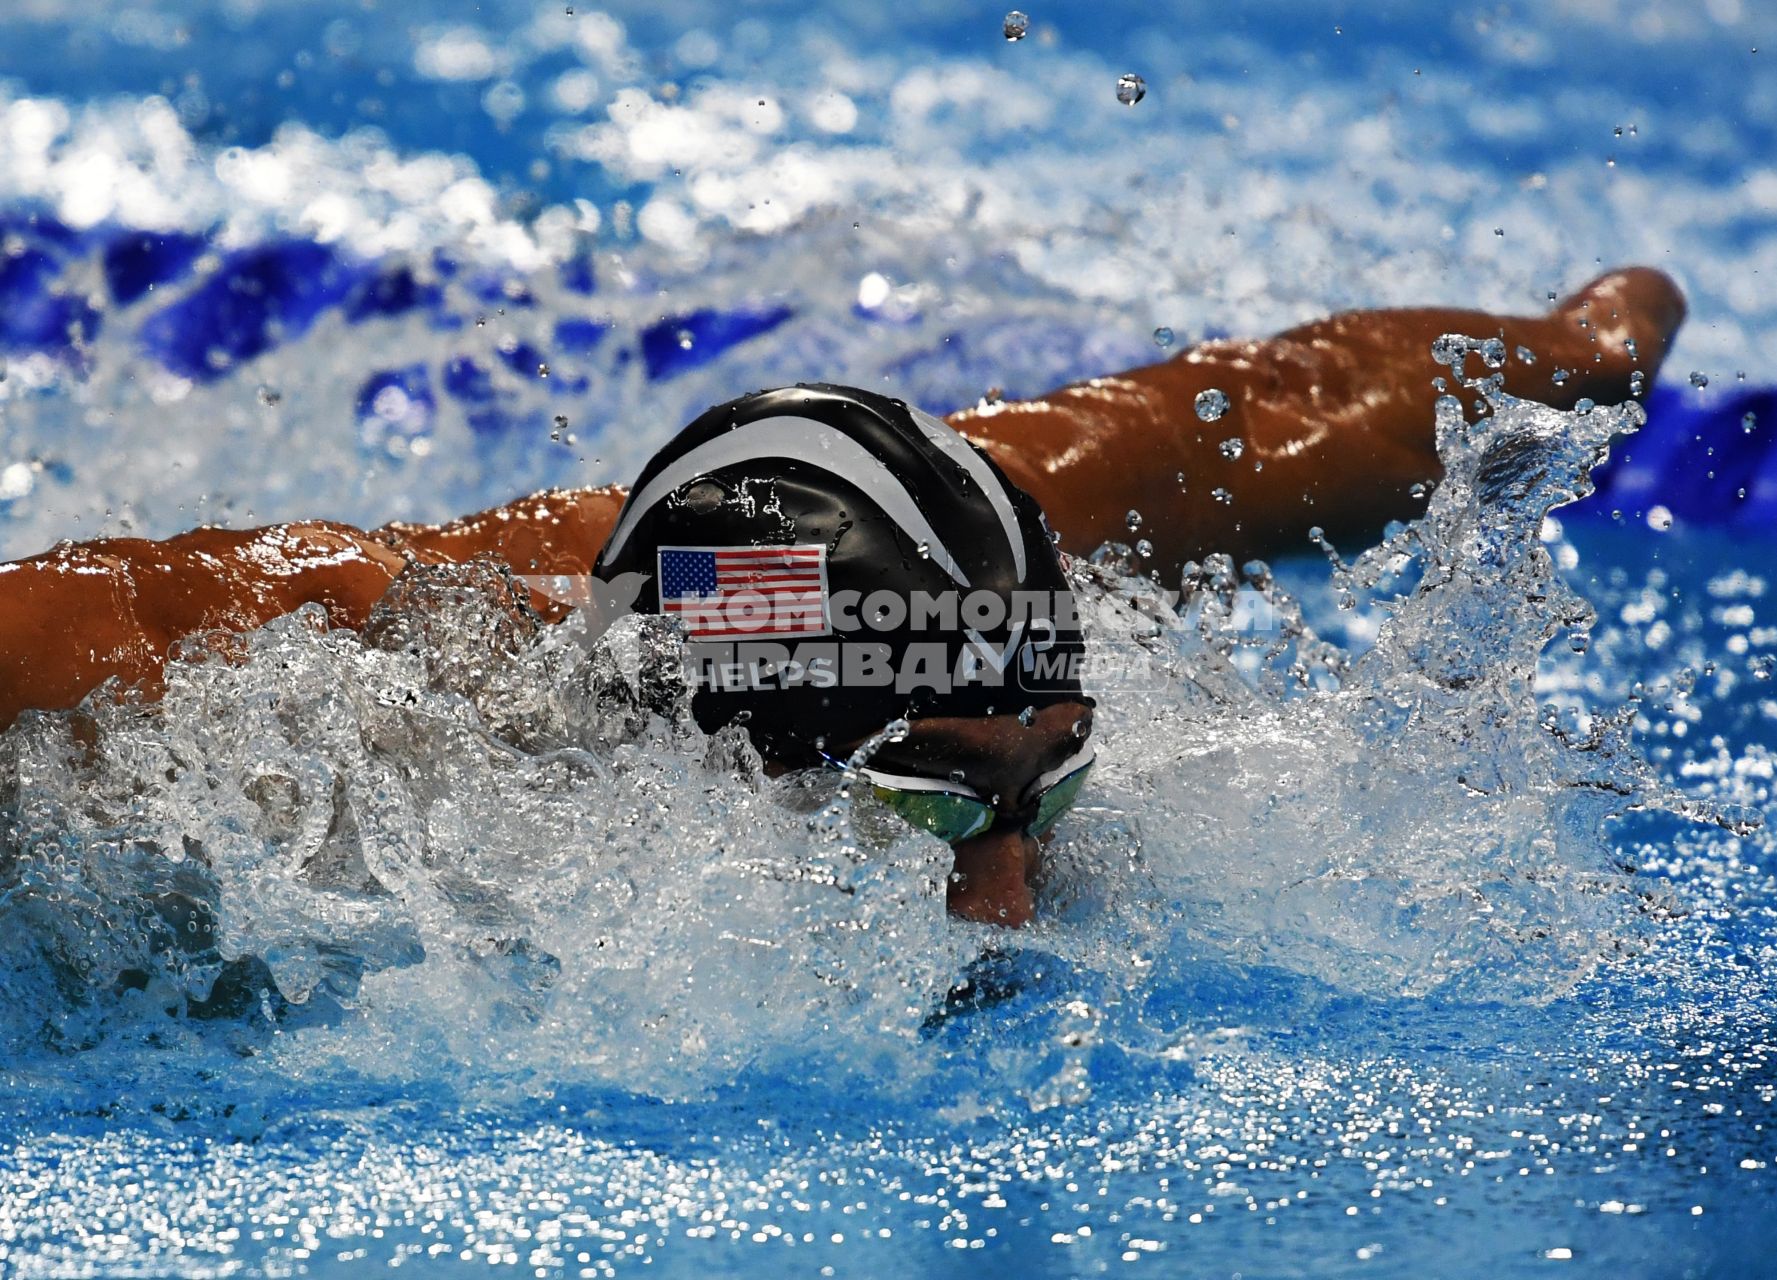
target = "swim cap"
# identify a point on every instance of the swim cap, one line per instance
(838, 560)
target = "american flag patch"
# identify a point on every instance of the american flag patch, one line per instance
(732, 593)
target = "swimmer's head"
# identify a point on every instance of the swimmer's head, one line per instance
(840, 560)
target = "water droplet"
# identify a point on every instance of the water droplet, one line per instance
(685, 339)
(1016, 25)
(1699, 380)
(1584, 405)
(1659, 519)
(1131, 89)
(925, 551)
(1221, 496)
(1133, 520)
(1233, 447)
(1633, 348)
(1144, 548)
(1211, 404)
(270, 397)
(1181, 482)
(1418, 489)
(1579, 641)
(1163, 337)
(1637, 381)
(1559, 377)
(1493, 353)
(1500, 232)
(1749, 422)
(958, 776)
(1526, 355)
(542, 371)
(1027, 717)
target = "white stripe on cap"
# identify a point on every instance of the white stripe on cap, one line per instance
(959, 450)
(814, 444)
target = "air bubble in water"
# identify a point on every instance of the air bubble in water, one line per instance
(1016, 25)
(1233, 447)
(1132, 521)
(1699, 380)
(1131, 89)
(1163, 337)
(1211, 404)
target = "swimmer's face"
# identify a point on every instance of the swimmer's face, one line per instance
(1000, 760)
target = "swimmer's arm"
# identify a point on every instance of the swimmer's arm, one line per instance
(556, 532)
(1334, 423)
(86, 613)
(81, 614)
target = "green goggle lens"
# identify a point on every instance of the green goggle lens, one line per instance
(949, 817)
(1058, 799)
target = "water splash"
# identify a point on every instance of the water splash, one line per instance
(466, 842)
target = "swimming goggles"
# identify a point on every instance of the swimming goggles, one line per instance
(953, 812)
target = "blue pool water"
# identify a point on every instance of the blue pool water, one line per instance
(1455, 963)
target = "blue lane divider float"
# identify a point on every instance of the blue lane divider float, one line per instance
(138, 261)
(37, 314)
(258, 297)
(679, 344)
(1708, 461)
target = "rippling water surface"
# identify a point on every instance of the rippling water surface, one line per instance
(1418, 919)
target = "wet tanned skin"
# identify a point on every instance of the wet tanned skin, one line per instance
(993, 881)
(1339, 411)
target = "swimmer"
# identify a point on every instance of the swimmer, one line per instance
(854, 493)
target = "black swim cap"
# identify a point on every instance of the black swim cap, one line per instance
(840, 560)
